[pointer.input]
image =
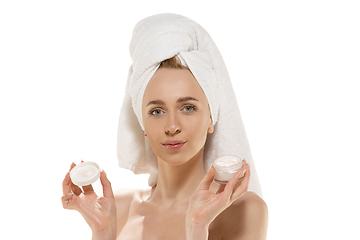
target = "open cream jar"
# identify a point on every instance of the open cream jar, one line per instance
(226, 167)
(87, 173)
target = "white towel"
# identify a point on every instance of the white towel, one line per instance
(158, 38)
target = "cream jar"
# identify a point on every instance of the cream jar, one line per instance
(87, 173)
(226, 167)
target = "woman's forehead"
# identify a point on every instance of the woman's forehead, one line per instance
(172, 84)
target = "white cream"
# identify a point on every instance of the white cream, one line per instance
(226, 167)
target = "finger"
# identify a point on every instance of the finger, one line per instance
(243, 185)
(72, 165)
(66, 184)
(207, 179)
(73, 188)
(107, 190)
(88, 189)
(231, 184)
(67, 201)
(221, 188)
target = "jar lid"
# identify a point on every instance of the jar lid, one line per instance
(85, 173)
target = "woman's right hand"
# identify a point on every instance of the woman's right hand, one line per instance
(98, 212)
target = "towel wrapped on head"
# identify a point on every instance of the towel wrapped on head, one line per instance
(154, 40)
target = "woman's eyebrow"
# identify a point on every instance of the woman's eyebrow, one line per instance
(183, 99)
(156, 102)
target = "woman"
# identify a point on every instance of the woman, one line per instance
(178, 91)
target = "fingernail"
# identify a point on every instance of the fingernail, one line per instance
(69, 194)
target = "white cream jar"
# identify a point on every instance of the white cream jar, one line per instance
(87, 173)
(226, 167)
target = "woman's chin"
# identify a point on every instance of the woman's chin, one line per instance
(177, 158)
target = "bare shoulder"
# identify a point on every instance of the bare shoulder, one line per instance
(246, 218)
(252, 203)
(124, 198)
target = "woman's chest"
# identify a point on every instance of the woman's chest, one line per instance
(154, 225)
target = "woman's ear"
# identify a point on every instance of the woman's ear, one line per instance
(211, 127)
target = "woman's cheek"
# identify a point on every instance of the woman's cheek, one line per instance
(199, 127)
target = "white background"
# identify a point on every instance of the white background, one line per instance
(295, 66)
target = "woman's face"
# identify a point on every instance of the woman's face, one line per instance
(176, 115)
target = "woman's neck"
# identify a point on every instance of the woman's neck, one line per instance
(177, 183)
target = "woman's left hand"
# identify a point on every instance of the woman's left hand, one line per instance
(205, 205)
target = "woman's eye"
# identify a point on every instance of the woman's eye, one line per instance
(156, 112)
(189, 109)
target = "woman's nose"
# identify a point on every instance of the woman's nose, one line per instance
(172, 126)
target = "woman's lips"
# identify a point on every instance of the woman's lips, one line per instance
(173, 144)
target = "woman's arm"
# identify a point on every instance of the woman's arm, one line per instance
(247, 218)
(195, 231)
(108, 233)
(255, 221)
(98, 212)
(205, 206)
